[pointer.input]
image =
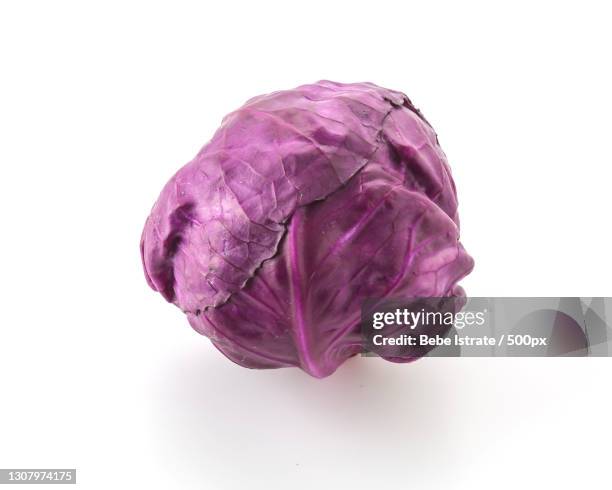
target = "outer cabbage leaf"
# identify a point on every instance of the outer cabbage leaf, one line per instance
(373, 238)
(223, 214)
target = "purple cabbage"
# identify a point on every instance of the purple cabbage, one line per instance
(305, 203)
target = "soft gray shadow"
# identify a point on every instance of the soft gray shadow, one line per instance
(370, 422)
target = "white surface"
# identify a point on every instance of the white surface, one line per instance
(101, 104)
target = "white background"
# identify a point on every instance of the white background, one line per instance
(101, 102)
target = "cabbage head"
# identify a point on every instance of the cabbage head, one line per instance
(304, 204)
